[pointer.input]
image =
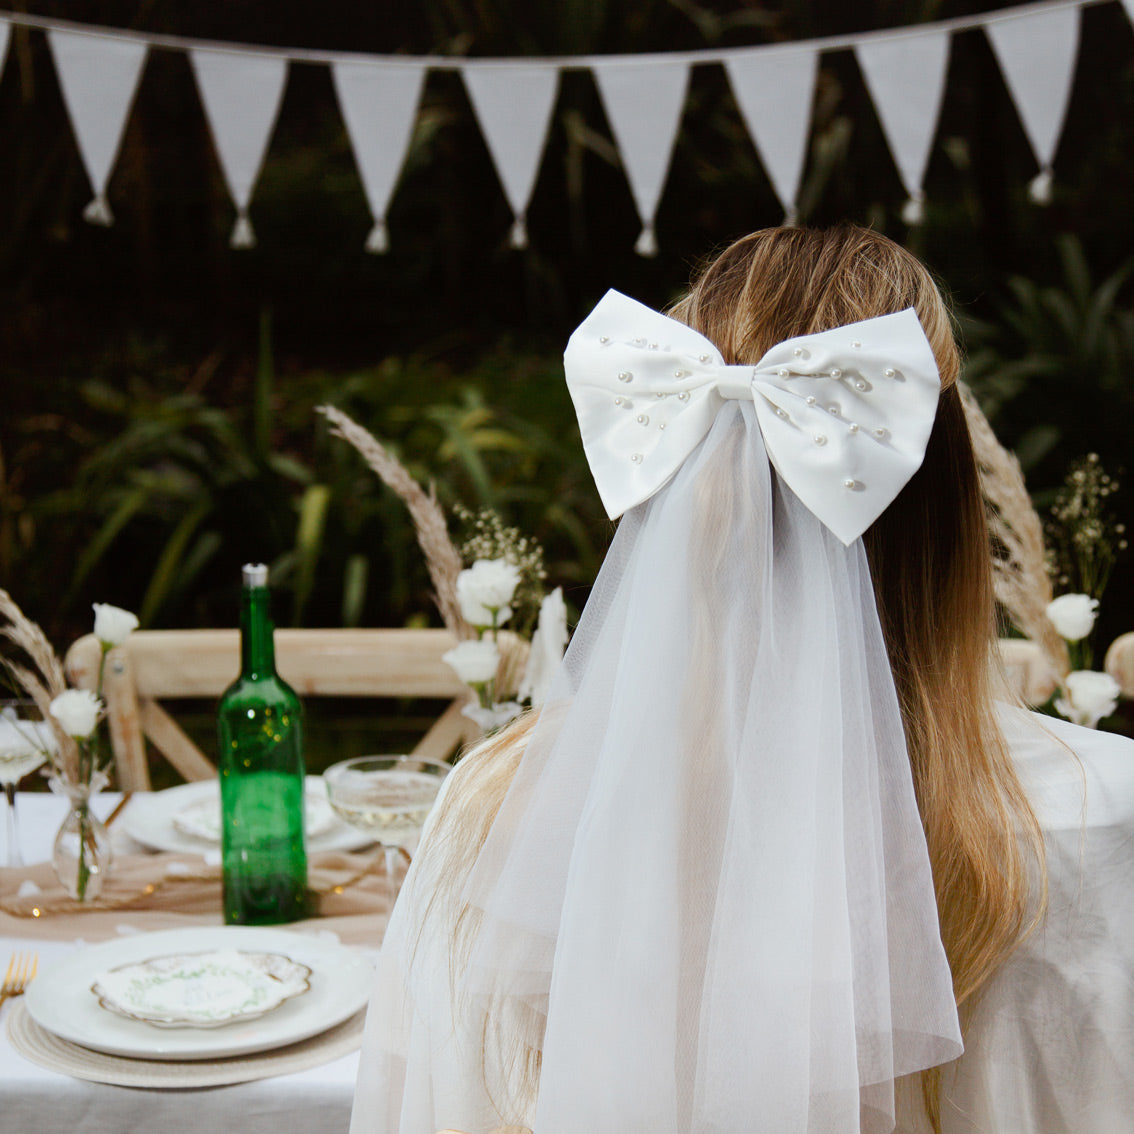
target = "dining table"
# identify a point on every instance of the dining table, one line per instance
(302, 1087)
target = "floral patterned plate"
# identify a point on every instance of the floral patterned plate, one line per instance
(201, 818)
(201, 990)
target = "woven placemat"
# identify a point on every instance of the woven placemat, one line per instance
(56, 1054)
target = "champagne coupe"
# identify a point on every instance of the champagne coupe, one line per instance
(26, 740)
(389, 797)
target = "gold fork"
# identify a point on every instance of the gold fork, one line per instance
(21, 972)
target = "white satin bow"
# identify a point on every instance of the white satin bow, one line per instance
(845, 414)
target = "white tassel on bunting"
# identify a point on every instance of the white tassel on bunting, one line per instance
(775, 90)
(643, 106)
(913, 211)
(513, 104)
(242, 234)
(1037, 52)
(647, 243)
(98, 212)
(98, 76)
(241, 94)
(379, 104)
(378, 241)
(1039, 188)
(906, 79)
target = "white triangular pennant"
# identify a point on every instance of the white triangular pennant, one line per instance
(1129, 6)
(1037, 52)
(5, 31)
(774, 90)
(643, 103)
(241, 94)
(98, 76)
(906, 79)
(379, 105)
(513, 105)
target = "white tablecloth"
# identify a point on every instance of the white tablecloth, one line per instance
(37, 1101)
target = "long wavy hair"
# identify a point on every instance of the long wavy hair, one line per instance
(930, 562)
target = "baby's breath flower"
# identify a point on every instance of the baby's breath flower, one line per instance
(488, 537)
(1083, 537)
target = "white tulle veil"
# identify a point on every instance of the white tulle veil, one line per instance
(706, 899)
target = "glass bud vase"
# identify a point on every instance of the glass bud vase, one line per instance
(82, 855)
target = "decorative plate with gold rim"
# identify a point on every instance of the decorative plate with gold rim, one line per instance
(60, 999)
(201, 990)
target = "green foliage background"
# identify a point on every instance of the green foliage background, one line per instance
(159, 389)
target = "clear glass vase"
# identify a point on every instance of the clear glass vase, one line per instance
(82, 855)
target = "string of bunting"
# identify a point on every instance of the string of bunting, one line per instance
(241, 87)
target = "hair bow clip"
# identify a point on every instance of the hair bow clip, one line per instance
(845, 414)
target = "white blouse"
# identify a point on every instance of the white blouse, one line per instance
(1050, 1049)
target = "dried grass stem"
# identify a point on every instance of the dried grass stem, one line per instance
(441, 557)
(1020, 575)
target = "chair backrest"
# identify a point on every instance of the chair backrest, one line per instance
(1119, 662)
(157, 664)
(1026, 670)
(1029, 673)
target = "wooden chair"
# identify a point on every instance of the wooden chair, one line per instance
(157, 664)
(1030, 677)
(1119, 662)
(1026, 670)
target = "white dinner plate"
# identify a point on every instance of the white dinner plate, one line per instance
(149, 819)
(201, 990)
(60, 998)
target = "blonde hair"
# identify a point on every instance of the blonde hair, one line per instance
(930, 563)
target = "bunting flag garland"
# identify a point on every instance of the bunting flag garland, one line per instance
(241, 88)
(774, 90)
(241, 94)
(906, 80)
(643, 106)
(513, 104)
(379, 106)
(99, 77)
(1036, 52)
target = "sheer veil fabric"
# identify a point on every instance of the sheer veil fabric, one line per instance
(706, 900)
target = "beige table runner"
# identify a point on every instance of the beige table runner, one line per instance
(167, 891)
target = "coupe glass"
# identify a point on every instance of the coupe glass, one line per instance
(26, 739)
(389, 797)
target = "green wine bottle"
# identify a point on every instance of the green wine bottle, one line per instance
(260, 732)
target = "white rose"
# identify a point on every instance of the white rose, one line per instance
(1073, 616)
(1090, 697)
(78, 711)
(112, 624)
(474, 662)
(548, 643)
(487, 586)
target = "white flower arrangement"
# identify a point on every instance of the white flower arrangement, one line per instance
(78, 712)
(485, 592)
(475, 661)
(1084, 541)
(1088, 697)
(76, 758)
(1073, 616)
(113, 625)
